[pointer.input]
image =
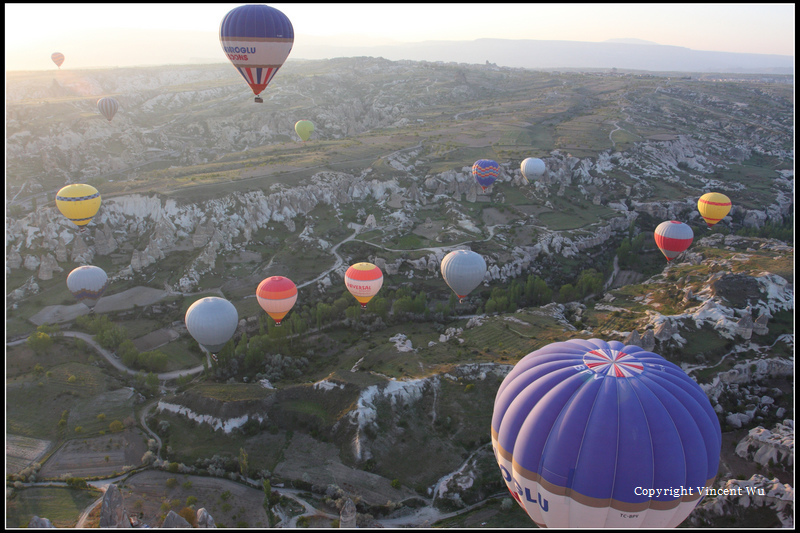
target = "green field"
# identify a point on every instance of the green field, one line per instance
(61, 506)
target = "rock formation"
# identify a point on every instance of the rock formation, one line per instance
(768, 447)
(112, 510)
(174, 520)
(347, 517)
(37, 522)
(204, 519)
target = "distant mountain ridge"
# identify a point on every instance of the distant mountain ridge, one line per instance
(637, 55)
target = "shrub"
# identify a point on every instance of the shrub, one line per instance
(189, 515)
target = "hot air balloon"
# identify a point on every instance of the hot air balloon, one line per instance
(276, 295)
(363, 280)
(532, 167)
(212, 322)
(78, 202)
(257, 39)
(58, 58)
(713, 207)
(584, 431)
(304, 129)
(463, 270)
(108, 107)
(485, 172)
(87, 283)
(672, 238)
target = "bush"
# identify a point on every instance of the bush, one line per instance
(190, 515)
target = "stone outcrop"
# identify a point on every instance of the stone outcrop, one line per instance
(760, 325)
(112, 510)
(735, 496)
(174, 520)
(47, 266)
(744, 327)
(768, 447)
(104, 241)
(347, 517)
(204, 519)
(37, 522)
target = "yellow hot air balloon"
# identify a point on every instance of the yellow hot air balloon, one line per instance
(78, 202)
(713, 207)
(304, 129)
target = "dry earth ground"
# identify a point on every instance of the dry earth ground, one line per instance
(140, 296)
(155, 339)
(228, 503)
(319, 463)
(97, 456)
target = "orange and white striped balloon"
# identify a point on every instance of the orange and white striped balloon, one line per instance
(363, 280)
(276, 295)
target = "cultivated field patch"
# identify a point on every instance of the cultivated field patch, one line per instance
(97, 456)
(22, 451)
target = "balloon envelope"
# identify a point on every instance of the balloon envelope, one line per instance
(713, 207)
(304, 129)
(58, 58)
(363, 280)
(108, 107)
(78, 202)
(582, 430)
(276, 295)
(485, 172)
(212, 322)
(87, 284)
(463, 271)
(672, 238)
(532, 167)
(257, 39)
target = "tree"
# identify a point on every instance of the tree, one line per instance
(190, 515)
(241, 347)
(128, 352)
(151, 382)
(116, 426)
(111, 337)
(243, 461)
(39, 342)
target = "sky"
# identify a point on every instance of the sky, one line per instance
(120, 35)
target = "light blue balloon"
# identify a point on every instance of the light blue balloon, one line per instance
(463, 271)
(212, 322)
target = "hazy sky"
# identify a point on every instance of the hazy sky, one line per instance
(108, 35)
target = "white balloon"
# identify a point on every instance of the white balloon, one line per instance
(87, 283)
(463, 271)
(212, 322)
(532, 167)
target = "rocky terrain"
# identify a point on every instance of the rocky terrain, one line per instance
(205, 192)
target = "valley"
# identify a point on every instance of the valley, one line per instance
(206, 194)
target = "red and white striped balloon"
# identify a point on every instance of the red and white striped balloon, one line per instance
(673, 238)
